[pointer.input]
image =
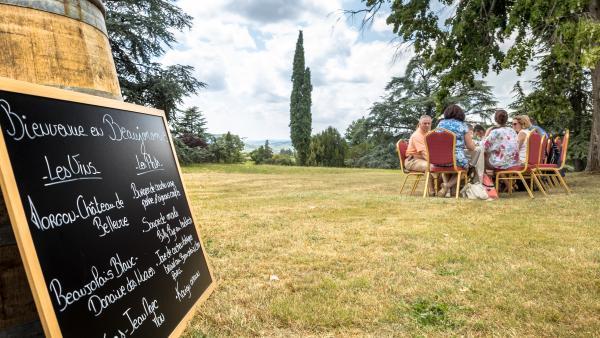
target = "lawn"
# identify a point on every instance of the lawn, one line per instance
(339, 252)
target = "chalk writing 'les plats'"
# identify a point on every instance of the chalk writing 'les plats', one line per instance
(145, 162)
(84, 209)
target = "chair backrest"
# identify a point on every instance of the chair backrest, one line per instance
(440, 145)
(563, 150)
(547, 147)
(534, 144)
(543, 144)
(401, 147)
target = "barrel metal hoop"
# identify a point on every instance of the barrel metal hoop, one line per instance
(91, 12)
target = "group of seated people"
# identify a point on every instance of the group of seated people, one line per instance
(499, 147)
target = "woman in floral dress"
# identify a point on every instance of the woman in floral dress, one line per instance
(500, 144)
(454, 121)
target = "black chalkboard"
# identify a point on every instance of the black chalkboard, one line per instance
(105, 207)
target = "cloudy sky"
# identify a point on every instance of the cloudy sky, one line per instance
(243, 50)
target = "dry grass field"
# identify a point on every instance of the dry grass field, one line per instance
(354, 258)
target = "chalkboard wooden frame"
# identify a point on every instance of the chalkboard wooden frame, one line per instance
(18, 217)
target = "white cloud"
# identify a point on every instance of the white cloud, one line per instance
(244, 52)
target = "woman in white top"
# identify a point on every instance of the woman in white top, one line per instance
(521, 124)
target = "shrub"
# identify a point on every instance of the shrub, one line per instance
(327, 149)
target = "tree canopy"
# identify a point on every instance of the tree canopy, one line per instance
(139, 32)
(372, 138)
(483, 35)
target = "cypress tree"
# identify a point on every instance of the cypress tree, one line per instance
(300, 102)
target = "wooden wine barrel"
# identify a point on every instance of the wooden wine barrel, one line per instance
(60, 43)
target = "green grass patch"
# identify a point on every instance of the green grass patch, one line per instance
(354, 257)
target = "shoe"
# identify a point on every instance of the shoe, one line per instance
(445, 191)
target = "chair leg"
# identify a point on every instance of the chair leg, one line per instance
(510, 183)
(537, 183)
(555, 182)
(415, 184)
(426, 189)
(531, 181)
(562, 181)
(525, 184)
(498, 183)
(404, 182)
(544, 179)
(458, 184)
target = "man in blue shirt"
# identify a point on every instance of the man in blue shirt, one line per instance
(534, 126)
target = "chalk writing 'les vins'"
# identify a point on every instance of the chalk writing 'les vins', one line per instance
(84, 209)
(148, 308)
(99, 278)
(18, 128)
(73, 170)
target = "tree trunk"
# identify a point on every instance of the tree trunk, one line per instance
(593, 163)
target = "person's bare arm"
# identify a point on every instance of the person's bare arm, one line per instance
(487, 132)
(521, 138)
(469, 141)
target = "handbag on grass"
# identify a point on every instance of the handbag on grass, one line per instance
(474, 191)
(489, 187)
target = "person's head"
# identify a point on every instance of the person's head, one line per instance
(521, 122)
(425, 123)
(479, 131)
(533, 121)
(454, 111)
(501, 117)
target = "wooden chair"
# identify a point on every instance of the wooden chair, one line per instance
(401, 147)
(534, 142)
(551, 170)
(441, 145)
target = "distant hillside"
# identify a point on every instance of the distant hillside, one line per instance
(276, 145)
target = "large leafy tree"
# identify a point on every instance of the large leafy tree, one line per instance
(560, 99)
(139, 32)
(397, 114)
(410, 96)
(190, 127)
(300, 102)
(227, 148)
(470, 40)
